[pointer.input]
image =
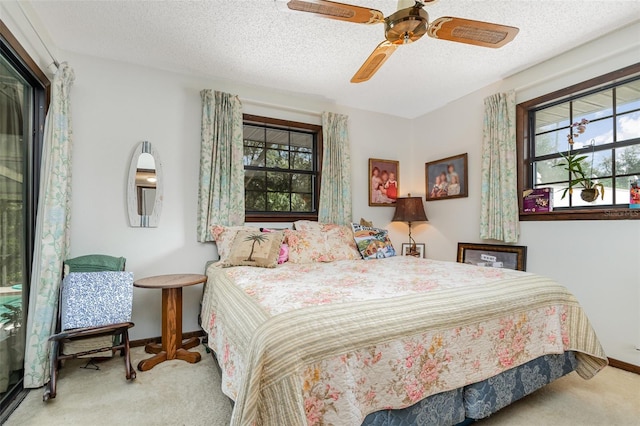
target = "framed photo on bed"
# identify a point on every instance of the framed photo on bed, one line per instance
(418, 250)
(446, 178)
(495, 255)
(384, 186)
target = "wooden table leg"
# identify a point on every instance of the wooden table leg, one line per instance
(153, 348)
(190, 343)
(172, 345)
(149, 363)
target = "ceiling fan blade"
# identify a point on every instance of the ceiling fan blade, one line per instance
(472, 32)
(340, 11)
(374, 61)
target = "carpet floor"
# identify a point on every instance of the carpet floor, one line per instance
(178, 393)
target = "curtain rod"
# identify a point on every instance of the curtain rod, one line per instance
(55, 61)
(280, 107)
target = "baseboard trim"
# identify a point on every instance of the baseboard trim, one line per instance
(144, 342)
(624, 365)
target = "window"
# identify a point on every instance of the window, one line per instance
(610, 143)
(282, 163)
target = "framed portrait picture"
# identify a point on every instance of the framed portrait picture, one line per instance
(494, 255)
(418, 250)
(446, 178)
(384, 182)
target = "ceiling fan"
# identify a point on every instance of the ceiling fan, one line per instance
(406, 25)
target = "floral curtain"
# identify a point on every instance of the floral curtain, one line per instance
(335, 189)
(52, 229)
(221, 190)
(499, 210)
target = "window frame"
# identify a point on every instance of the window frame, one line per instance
(290, 125)
(523, 148)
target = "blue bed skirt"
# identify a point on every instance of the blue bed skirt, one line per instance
(479, 400)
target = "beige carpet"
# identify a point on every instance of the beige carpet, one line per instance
(177, 393)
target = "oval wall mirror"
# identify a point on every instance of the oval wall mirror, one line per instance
(144, 187)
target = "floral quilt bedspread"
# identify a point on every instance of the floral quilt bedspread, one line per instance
(329, 343)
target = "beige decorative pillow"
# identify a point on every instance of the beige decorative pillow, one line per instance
(255, 248)
(224, 235)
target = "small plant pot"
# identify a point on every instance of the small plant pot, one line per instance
(589, 195)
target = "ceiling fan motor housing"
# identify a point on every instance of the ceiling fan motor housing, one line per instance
(406, 25)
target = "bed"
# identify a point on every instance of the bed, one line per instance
(356, 342)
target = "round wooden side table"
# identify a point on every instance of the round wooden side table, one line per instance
(172, 346)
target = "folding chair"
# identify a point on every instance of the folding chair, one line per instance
(93, 304)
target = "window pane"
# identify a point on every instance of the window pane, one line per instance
(546, 171)
(628, 160)
(623, 190)
(594, 106)
(280, 137)
(301, 202)
(254, 154)
(598, 131)
(255, 180)
(628, 126)
(301, 159)
(550, 143)
(278, 182)
(278, 202)
(278, 156)
(628, 97)
(255, 201)
(552, 118)
(253, 133)
(302, 140)
(558, 189)
(624, 183)
(300, 183)
(601, 164)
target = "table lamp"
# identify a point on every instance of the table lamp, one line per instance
(410, 209)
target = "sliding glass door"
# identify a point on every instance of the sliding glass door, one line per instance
(15, 106)
(22, 109)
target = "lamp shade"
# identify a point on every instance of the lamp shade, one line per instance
(409, 209)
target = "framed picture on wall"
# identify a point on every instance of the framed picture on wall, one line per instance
(416, 250)
(446, 178)
(493, 255)
(384, 182)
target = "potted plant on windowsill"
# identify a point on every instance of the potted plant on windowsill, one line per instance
(575, 165)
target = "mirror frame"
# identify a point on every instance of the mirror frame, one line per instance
(136, 220)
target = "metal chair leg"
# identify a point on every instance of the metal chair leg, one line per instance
(50, 390)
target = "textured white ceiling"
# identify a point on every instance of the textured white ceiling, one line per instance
(259, 42)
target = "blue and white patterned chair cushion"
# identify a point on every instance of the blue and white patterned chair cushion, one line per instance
(91, 299)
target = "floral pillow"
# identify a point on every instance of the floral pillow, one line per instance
(373, 243)
(284, 248)
(317, 245)
(224, 235)
(255, 248)
(307, 225)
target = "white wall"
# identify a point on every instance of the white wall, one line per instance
(597, 260)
